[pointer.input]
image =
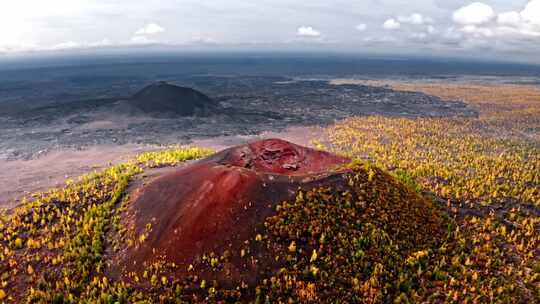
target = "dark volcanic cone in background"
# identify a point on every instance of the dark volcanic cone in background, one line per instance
(166, 99)
(216, 204)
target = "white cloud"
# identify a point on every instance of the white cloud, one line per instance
(477, 31)
(150, 29)
(476, 13)
(380, 39)
(141, 36)
(361, 27)
(141, 40)
(70, 45)
(20, 47)
(103, 43)
(66, 45)
(424, 35)
(415, 19)
(199, 39)
(307, 31)
(452, 36)
(419, 36)
(509, 18)
(531, 13)
(391, 24)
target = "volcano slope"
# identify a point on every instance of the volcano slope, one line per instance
(270, 221)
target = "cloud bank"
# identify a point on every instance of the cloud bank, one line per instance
(506, 29)
(481, 20)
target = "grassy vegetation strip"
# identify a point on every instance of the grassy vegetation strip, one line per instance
(450, 157)
(172, 156)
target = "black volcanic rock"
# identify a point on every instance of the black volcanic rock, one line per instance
(166, 99)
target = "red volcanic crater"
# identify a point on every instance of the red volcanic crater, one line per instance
(215, 204)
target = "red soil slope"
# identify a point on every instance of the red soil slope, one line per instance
(217, 203)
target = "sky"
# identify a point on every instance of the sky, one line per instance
(502, 29)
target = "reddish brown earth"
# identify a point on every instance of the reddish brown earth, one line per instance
(216, 204)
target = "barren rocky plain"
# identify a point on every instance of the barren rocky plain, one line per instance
(90, 133)
(250, 105)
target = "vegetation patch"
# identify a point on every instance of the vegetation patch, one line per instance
(52, 248)
(172, 156)
(348, 242)
(484, 171)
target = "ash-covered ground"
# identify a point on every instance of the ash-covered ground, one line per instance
(248, 106)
